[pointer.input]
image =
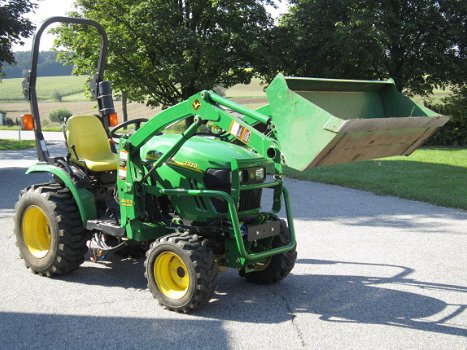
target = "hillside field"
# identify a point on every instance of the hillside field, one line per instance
(71, 88)
(11, 89)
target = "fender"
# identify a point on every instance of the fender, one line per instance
(84, 199)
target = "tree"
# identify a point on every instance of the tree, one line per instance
(419, 43)
(313, 40)
(162, 52)
(453, 133)
(59, 115)
(13, 27)
(47, 65)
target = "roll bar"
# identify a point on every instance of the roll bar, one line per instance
(29, 83)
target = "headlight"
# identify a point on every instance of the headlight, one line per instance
(218, 179)
(260, 174)
(252, 175)
(222, 178)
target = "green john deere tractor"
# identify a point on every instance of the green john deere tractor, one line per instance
(193, 201)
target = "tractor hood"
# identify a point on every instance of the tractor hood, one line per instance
(199, 152)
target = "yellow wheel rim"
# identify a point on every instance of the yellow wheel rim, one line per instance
(171, 275)
(36, 231)
(261, 266)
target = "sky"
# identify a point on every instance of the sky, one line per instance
(46, 9)
(50, 8)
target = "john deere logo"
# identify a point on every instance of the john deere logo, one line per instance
(196, 104)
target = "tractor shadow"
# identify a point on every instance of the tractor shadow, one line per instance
(112, 271)
(340, 298)
(335, 298)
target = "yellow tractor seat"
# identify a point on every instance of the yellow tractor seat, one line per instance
(91, 143)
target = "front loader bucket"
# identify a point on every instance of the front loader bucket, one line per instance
(326, 121)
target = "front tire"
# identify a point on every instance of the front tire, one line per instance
(276, 267)
(49, 232)
(181, 272)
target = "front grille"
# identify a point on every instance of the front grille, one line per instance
(218, 179)
(250, 199)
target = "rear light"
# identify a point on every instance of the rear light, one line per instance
(27, 122)
(113, 119)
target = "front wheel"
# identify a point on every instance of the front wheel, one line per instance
(277, 266)
(181, 272)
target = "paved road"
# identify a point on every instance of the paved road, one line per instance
(373, 272)
(29, 135)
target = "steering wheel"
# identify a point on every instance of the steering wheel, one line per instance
(137, 123)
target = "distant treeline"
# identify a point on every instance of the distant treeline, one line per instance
(47, 65)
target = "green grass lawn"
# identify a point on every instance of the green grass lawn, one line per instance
(11, 89)
(16, 145)
(80, 96)
(434, 175)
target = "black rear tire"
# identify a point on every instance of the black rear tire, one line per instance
(278, 266)
(49, 231)
(181, 272)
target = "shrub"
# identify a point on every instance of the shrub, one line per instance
(59, 115)
(454, 133)
(8, 121)
(57, 96)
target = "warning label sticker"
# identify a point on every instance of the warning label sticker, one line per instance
(123, 155)
(123, 161)
(240, 132)
(122, 173)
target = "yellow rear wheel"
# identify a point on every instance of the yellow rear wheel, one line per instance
(49, 231)
(36, 231)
